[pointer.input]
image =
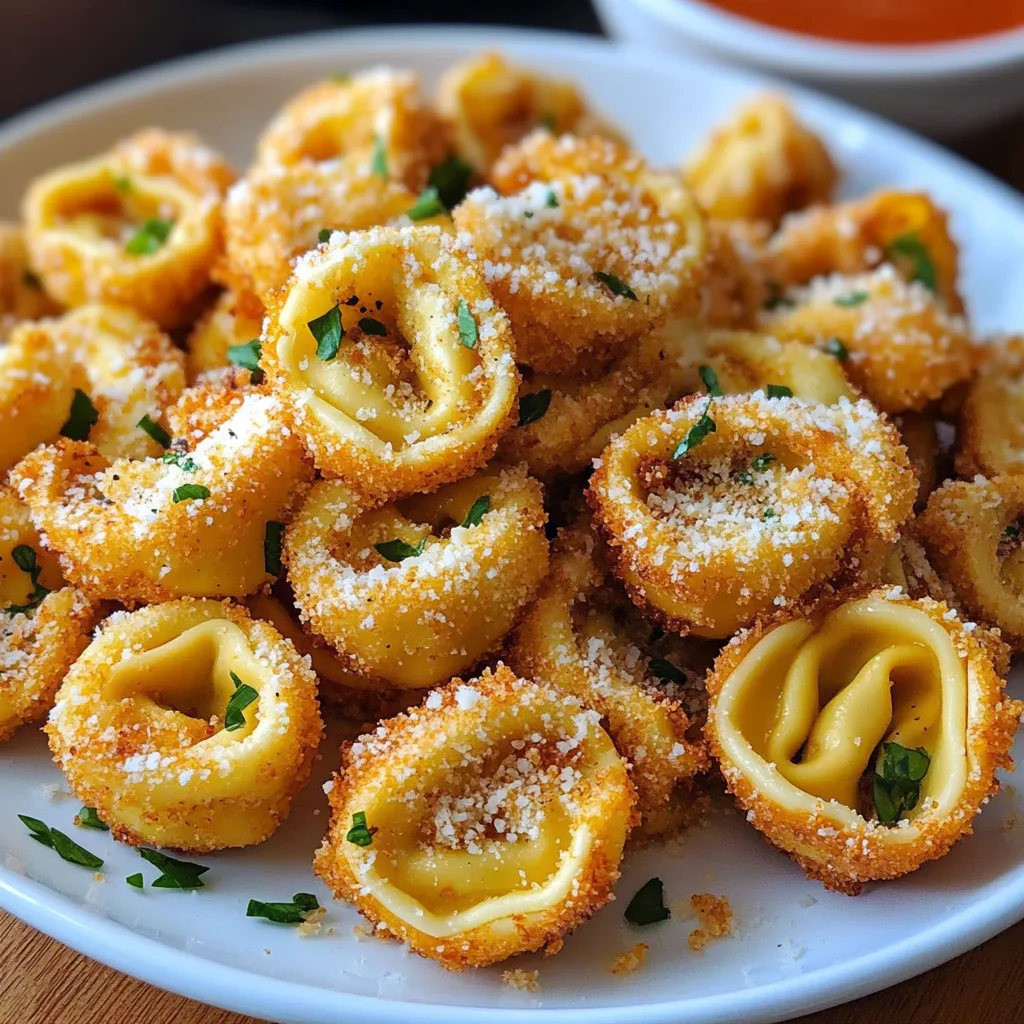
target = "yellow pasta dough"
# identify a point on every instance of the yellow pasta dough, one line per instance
(726, 509)
(496, 815)
(187, 725)
(416, 591)
(863, 742)
(410, 378)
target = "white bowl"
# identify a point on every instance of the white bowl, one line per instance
(941, 89)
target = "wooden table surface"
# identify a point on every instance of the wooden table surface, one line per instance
(43, 982)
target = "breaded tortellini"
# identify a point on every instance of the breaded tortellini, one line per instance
(584, 638)
(194, 522)
(45, 623)
(585, 247)
(761, 164)
(492, 104)
(863, 740)
(187, 725)
(22, 296)
(725, 510)
(376, 118)
(398, 364)
(990, 435)
(902, 347)
(233, 320)
(487, 822)
(972, 530)
(416, 591)
(138, 226)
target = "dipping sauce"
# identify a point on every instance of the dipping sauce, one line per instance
(886, 22)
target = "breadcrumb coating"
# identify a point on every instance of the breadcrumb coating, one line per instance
(497, 813)
(884, 668)
(143, 730)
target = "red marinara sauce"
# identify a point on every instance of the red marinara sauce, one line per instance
(884, 22)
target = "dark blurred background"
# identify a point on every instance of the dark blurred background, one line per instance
(48, 47)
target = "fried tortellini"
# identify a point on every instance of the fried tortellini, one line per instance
(187, 725)
(138, 226)
(724, 510)
(863, 740)
(489, 821)
(762, 164)
(416, 591)
(193, 522)
(396, 359)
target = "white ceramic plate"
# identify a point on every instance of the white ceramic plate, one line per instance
(797, 947)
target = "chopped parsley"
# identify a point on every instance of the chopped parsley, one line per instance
(468, 334)
(30, 279)
(551, 200)
(379, 159)
(532, 407)
(328, 332)
(182, 460)
(244, 695)
(547, 120)
(25, 559)
(697, 433)
(155, 431)
(175, 874)
(853, 299)
(664, 670)
(835, 347)
(710, 381)
(1012, 532)
(778, 391)
(769, 513)
(65, 847)
(123, 183)
(88, 818)
(359, 834)
(762, 461)
(189, 492)
(477, 510)
(451, 180)
(911, 246)
(273, 538)
(324, 235)
(370, 325)
(302, 904)
(615, 285)
(136, 881)
(247, 356)
(81, 419)
(648, 904)
(399, 551)
(897, 788)
(428, 205)
(147, 239)
(776, 296)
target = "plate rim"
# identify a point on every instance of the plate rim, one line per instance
(176, 970)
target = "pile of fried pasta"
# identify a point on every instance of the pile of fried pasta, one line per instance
(581, 486)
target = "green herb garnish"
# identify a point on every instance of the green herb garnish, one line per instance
(123, 183)
(835, 347)
(244, 695)
(359, 833)
(88, 818)
(324, 235)
(65, 847)
(147, 239)
(155, 431)
(897, 788)
(547, 120)
(328, 332)
(664, 670)
(176, 874)
(81, 419)
(551, 200)
(451, 180)
(910, 246)
(477, 510)
(769, 513)
(778, 391)
(273, 541)
(302, 904)
(710, 380)
(136, 881)
(648, 904)
(189, 492)
(697, 433)
(247, 356)
(427, 205)
(25, 559)
(398, 550)
(776, 295)
(369, 325)
(1012, 532)
(615, 285)
(468, 334)
(853, 299)
(379, 159)
(182, 460)
(762, 461)
(532, 407)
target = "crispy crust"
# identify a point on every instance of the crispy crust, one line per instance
(471, 725)
(844, 857)
(843, 480)
(160, 775)
(606, 672)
